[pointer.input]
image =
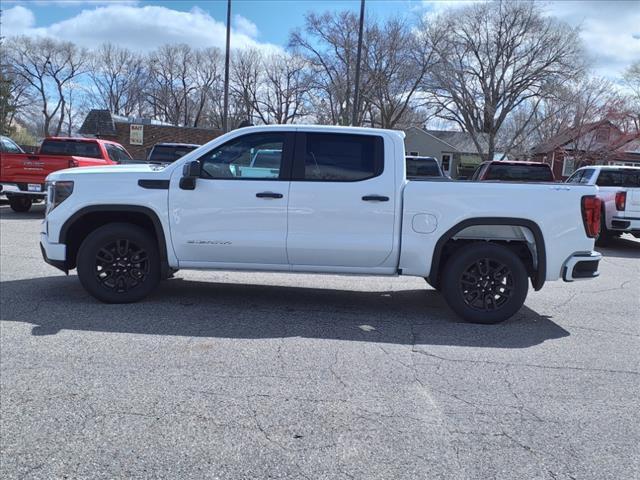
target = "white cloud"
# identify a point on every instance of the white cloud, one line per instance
(139, 28)
(17, 18)
(245, 26)
(610, 29)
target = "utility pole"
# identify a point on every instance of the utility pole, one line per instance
(356, 95)
(225, 114)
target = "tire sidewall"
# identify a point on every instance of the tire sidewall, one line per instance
(464, 258)
(103, 236)
(20, 204)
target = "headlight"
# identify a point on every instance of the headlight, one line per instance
(58, 192)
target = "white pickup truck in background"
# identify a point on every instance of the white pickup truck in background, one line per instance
(619, 192)
(332, 200)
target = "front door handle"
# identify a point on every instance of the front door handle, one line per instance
(268, 195)
(375, 198)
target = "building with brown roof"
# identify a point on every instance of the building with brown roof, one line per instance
(138, 135)
(594, 143)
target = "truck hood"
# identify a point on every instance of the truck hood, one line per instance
(135, 169)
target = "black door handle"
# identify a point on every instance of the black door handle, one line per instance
(268, 195)
(375, 198)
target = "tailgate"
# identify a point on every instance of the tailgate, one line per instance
(27, 168)
(633, 202)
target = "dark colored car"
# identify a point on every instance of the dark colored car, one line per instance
(170, 152)
(421, 167)
(9, 146)
(508, 171)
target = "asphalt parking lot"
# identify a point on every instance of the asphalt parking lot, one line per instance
(242, 375)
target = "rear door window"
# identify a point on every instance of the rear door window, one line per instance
(331, 157)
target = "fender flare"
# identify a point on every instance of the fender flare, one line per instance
(153, 216)
(539, 275)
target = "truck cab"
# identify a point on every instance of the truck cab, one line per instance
(331, 200)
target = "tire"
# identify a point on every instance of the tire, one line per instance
(20, 203)
(605, 235)
(127, 249)
(465, 275)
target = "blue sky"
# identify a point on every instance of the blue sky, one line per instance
(610, 29)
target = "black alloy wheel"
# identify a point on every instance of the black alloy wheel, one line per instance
(486, 285)
(121, 265)
(484, 282)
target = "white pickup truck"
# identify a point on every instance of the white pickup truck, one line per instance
(329, 200)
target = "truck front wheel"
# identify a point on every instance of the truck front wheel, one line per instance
(119, 263)
(20, 203)
(485, 283)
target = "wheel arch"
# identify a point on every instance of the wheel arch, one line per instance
(81, 223)
(539, 272)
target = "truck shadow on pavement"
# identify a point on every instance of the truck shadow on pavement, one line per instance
(227, 310)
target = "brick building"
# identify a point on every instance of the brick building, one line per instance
(139, 135)
(595, 143)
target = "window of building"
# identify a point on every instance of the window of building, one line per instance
(568, 167)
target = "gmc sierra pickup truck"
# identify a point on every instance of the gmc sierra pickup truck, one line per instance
(22, 175)
(336, 201)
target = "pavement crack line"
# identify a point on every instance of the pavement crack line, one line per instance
(528, 365)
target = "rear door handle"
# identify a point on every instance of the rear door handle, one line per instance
(268, 195)
(375, 198)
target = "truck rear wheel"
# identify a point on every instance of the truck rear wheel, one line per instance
(20, 203)
(119, 263)
(485, 283)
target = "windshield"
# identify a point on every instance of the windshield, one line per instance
(168, 153)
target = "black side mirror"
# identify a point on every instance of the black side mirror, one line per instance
(190, 171)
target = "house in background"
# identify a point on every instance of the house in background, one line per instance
(455, 151)
(596, 143)
(138, 135)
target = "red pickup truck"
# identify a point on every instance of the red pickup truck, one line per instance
(22, 175)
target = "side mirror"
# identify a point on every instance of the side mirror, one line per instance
(190, 171)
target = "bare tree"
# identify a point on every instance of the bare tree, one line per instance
(246, 79)
(118, 76)
(396, 63)
(492, 58)
(281, 97)
(329, 43)
(47, 66)
(632, 81)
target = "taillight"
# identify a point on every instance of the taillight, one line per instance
(591, 208)
(621, 201)
(73, 163)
